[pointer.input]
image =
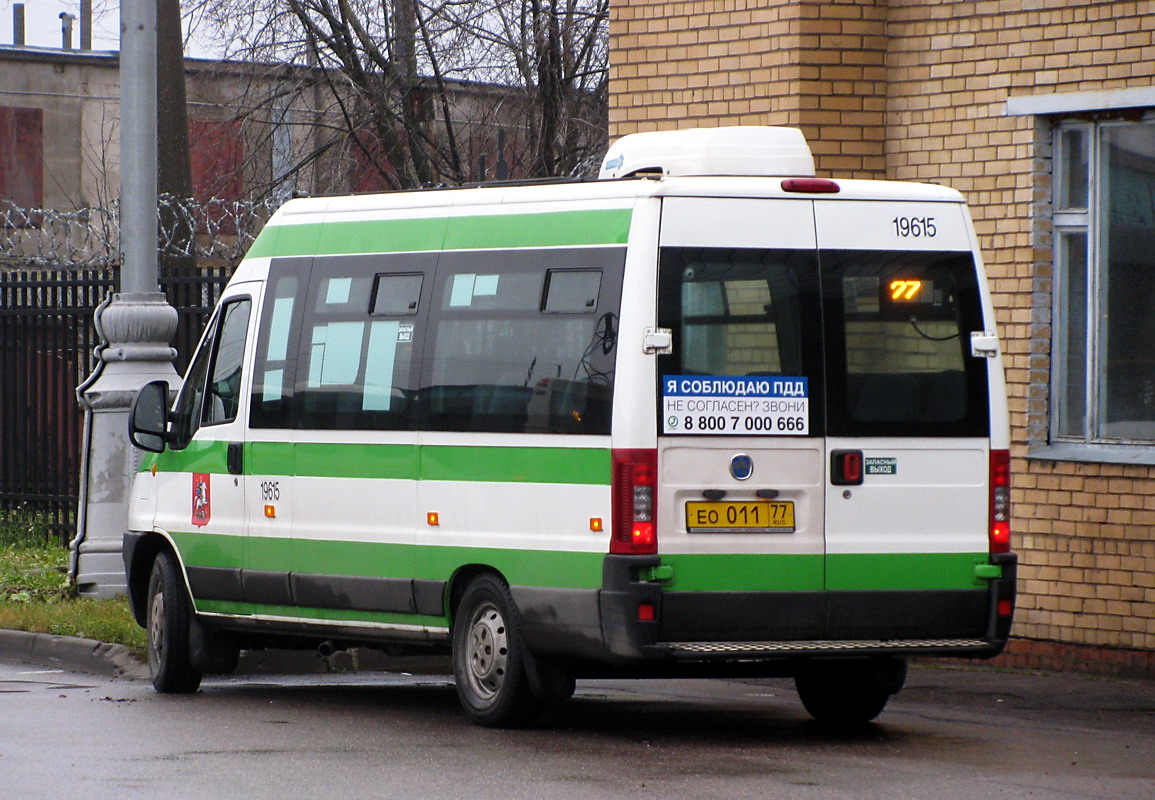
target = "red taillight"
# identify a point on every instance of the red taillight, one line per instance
(810, 185)
(1000, 514)
(635, 481)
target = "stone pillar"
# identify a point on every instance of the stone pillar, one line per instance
(136, 329)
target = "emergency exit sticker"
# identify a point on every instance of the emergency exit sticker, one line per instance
(739, 405)
(881, 466)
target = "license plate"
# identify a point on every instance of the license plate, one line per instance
(760, 516)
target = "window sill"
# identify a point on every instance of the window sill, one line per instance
(1094, 453)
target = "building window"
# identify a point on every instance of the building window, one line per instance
(21, 166)
(1103, 365)
(216, 158)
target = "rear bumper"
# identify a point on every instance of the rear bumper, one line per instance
(768, 626)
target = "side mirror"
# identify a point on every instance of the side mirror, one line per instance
(148, 423)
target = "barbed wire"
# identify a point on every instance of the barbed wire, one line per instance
(213, 232)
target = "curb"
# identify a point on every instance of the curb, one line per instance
(117, 661)
(71, 653)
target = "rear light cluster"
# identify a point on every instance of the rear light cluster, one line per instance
(1000, 522)
(635, 482)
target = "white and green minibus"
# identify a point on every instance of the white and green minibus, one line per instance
(706, 416)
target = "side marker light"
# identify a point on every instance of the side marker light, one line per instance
(432, 518)
(271, 512)
(596, 524)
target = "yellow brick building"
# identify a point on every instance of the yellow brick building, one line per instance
(1042, 112)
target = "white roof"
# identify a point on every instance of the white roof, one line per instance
(739, 150)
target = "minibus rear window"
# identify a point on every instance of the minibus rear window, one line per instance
(898, 341)
(739, 314)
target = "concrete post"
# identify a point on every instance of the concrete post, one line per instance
(135, 327)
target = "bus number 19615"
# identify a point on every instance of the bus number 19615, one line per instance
(914, 227)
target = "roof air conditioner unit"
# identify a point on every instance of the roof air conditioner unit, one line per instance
(739, 150)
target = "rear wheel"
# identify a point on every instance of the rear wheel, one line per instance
(847, 693)
(169, 618)
(489, 656)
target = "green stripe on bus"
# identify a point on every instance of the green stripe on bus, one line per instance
(319, 460)
(210, 549)
(551, 229)
(589, 466)
(539, 568)
(557, 465)
(775, 572)
(731, 572)
(496, 231)
(881, 571)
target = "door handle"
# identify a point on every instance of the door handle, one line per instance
(846, 467)
(235, 460)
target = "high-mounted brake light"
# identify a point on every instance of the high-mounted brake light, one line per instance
(810, 185)
(1000, 514)
(635, 479)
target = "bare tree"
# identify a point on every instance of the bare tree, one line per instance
(405, 93)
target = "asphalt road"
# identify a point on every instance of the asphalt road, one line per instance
(953, 733)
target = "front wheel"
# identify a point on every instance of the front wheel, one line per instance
(489, 656)
(169, 619)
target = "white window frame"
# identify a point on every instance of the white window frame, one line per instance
(1068, 221)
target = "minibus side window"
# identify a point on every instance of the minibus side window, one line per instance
(211, 392)
(186, 412)
(224, 387)
(276, 350)
(357, 341)
(519, 345)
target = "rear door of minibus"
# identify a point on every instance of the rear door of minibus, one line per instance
(908, 421)
(741, 453)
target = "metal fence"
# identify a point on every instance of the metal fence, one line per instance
(46, 342)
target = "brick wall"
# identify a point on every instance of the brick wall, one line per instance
(916, 90)
(812, 64)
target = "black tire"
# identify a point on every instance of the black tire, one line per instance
(550, 682)
(489, 656)
(169, 618)
(850, 693)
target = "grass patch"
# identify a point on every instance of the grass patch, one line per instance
(35, 596)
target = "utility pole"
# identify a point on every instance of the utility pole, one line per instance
(135, 326)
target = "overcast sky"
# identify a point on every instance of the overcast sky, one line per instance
(42, 24)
